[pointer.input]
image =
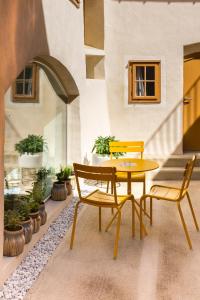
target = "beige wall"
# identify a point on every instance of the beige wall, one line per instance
(64, 26)
(148, 30)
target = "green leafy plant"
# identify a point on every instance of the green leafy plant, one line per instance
(39, 191)
(42, 173)
(101, 145)
(32, 203)
(34, 207)
(64, 174)
(11, 201)
(23, 209)
(12, 220)
(31, 145)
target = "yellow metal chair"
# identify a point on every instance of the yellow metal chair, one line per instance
(172, 194)
(126, 147)
(102, 199)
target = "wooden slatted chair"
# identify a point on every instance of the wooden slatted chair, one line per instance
(101, 199)
(172, 194)
(128, 147)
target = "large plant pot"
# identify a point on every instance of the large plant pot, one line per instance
(30, 160)
(43, 214)
(97, 159)
(36, 221)
(28, 230)
(68, 186)
(59, 191)
(14, 242)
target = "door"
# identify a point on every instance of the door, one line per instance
(191, 105)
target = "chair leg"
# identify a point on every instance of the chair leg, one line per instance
(74, 225)
(117, 234)
(107, 189)
(144, 192)
(184, 226)
(151, 211)
(192, 210)
(100, 219)
(113, 218)
(142, 227)
(133, 217)
(138, 215)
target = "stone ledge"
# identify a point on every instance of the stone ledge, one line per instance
(9, 264)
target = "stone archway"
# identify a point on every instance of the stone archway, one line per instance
(59, 77)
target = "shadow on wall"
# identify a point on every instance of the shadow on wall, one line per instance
(23, 36)
(162, 141)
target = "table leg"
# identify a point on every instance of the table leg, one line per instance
(129, 183)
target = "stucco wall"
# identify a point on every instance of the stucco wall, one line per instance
(64, 26)
(144, 31)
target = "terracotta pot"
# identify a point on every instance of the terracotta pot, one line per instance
(14, 241)
(36, 221)
(43, 214)
(59, 191)
(68, 186)
(28, 230)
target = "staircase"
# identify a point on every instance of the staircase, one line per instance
(173, 167)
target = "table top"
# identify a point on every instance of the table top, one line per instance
(131, 164)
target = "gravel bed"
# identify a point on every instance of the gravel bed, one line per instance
(21, 280)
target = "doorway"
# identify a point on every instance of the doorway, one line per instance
(191, 105)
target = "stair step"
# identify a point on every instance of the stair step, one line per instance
(175, 173)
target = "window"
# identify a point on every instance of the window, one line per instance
(25, 87)
(144, 81)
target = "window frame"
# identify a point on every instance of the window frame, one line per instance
(132, 64)
(24, 98)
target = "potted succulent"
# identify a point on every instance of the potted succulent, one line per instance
(59, 191)
(14, 239)
(101, 148)
(24, 210)
(30, 150)
(38, 193)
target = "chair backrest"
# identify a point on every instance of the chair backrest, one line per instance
(123, 146)
(95, 173)
(187, 175)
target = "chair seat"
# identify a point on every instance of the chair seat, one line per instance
(136, 177)
(99, 197)
(165, 193)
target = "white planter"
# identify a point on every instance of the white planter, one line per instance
(97, 159)
(30, 160)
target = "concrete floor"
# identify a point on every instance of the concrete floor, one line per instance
(159, 267)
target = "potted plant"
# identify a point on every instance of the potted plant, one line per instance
(101, 148)
(38, 193)
(64, 175)
(59, 191)
(30, 150)
(34, 212)
(14, 239)
(24, 210)
(44, 176)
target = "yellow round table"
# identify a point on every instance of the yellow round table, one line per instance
(130, 165)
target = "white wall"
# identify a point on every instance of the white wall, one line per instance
(148, 30)
(64, 26)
